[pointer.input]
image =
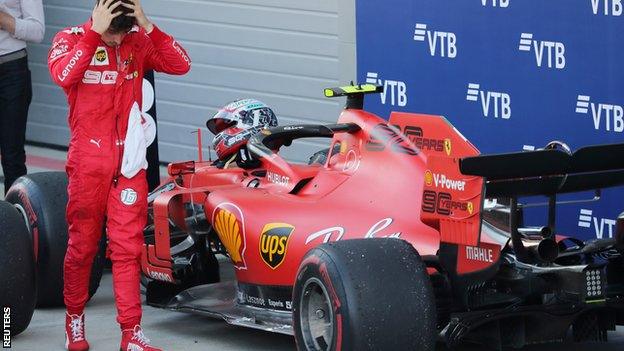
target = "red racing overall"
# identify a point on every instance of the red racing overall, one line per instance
(102, 83)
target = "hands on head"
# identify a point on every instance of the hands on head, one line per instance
(106, 11)
(103, 14)
(138, 14)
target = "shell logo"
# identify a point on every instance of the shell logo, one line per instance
(470, 207)
(447, 147)
(228, 227)
(428, 178)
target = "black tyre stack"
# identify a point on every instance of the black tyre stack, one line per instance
(42, 200)
(17, 271)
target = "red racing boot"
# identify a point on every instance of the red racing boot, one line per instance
(135, 340)
(75, 333)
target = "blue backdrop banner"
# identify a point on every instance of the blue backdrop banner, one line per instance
(509, 74)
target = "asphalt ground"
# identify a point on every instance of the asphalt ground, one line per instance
(167, 329)
(189, 332)
(181, 331)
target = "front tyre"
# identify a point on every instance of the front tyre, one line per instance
(365, 294)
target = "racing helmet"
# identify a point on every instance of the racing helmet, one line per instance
(242, 113)
(236, 122)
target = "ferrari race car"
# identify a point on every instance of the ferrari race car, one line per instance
(402, 237)
(389, 244)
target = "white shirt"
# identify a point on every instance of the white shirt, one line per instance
(29, 24)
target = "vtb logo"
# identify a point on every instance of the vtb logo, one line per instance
(397, 89)
(612, 115)
(586, 220)
(491, 101)
(608, 7)
(496, 3)
(443, 44)
(555, 51)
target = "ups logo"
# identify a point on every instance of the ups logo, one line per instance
(100, 55)
(274, 243)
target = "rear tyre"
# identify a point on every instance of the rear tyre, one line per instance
(365, 294)
(42, 200)
(17, 269)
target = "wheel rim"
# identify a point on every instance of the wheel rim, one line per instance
(316, 316)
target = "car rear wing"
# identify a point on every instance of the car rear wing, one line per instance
(548, 172)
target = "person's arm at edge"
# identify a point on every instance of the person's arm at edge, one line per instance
(7, 22)
(31, 27)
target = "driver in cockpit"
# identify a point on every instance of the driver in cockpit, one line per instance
(233, 125)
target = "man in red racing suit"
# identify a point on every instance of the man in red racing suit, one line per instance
(101, 69)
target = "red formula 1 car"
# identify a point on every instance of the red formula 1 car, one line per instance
(390, 243)
(403, 237)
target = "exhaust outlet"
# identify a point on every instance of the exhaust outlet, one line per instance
(535, 251)
(547, 250)
(531, 232)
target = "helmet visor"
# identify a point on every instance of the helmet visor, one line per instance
(220, 121)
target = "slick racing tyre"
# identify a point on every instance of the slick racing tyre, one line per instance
(17, 269)
(42, 200)
(365, 294)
